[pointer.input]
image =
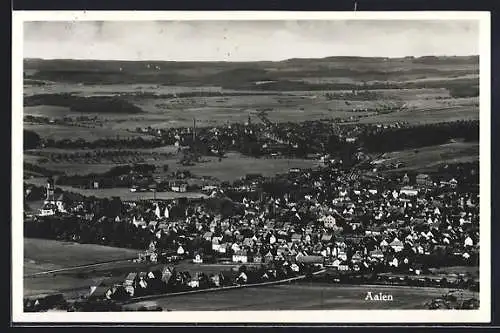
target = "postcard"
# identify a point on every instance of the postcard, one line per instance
(251, 167)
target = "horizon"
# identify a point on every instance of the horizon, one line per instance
(255, 61)
(248, 41)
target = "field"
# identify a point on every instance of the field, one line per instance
(430, 157)
(301, 296)
(123, 193)
(61, 132)
(230, 168)
(43, 254)
(171, 94)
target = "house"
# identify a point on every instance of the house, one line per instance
(180, 250)
(167, 273)
(424, 180)
(376, 254)
(179, 187)
(396, 245)
(242, 278)
(257, 258)
(343, 266)
(341, 254)
(248, 242)
(334, 263)
(268, 257)
(215, 244)
(383, 244)
(224, 248)
(240, 257)
(326, 238)
(194, 283)
(296, 238)
(208, 236)
(99, 292)
(272, 239)
(356, 258)
(153, 257)
(408, 191)
(197, 259)
(311, 260)
(329, 222)
(393, 262)
(130, 283)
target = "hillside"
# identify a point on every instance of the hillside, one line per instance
(292, 74)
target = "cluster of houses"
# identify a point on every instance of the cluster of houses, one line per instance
(343, 222)
(354, 229)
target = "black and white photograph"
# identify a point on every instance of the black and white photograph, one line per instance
(251, 167)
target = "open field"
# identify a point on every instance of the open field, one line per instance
(426, 116)
(230, 168)
(123, 193)
(61, 132)
(432, 156)
(301, 296)
(450, 273)
(170, 94)
(44, 254)
(235, 166)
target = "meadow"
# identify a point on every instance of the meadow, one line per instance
(432, 156)
(301, 296)
(44, 254)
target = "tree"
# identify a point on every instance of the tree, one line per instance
(31, 139)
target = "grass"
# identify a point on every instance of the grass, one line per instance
(426, 116)
(235, 166)
(429, 157)
(123, 193)
(302, 296)
(61, 132)
(230, 168)
(44, 254)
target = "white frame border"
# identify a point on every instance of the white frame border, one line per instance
(481, 315)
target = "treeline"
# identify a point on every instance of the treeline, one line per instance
(289, 85)
(131, 143)
(110, 178)
(93, 104)
(97, 231)
(419, 136)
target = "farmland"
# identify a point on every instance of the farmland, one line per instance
(123, 193)
(301, 296)
(230, 168)
(43, 254)
(433, 156)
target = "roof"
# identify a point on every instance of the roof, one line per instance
(311, 259)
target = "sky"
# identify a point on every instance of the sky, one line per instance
(247, 40)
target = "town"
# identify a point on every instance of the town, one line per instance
(345, 224)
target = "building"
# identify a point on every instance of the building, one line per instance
(423, 179)
(240, 257)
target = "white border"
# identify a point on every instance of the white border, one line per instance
(331, 316)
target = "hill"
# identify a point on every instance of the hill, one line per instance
(282, 75)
